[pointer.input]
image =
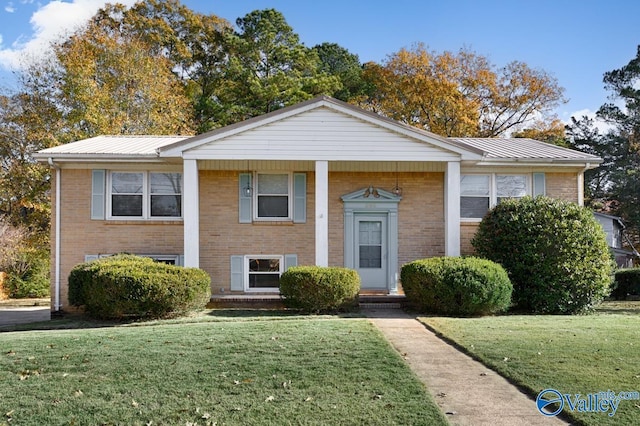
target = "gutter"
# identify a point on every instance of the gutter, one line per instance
(56, 304)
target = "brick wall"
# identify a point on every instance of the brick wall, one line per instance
(82, 236)
(420, 218)
(563, 186)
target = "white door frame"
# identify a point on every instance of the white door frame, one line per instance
(362, 202)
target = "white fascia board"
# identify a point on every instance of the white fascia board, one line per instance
(91, 158)
(546, 162)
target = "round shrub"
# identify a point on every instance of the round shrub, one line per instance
(465, 286)
(555, 252)
(124, 286)
(319, 289)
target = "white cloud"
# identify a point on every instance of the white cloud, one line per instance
(600, 124)
(49, 23)
(10, 8)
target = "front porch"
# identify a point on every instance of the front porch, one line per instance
(367, 300)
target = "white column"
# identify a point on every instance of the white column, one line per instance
(452, 209)
(581, 189)
(191, 214)
(322, 213)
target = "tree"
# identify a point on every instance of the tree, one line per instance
(459, 94)
(338, 61)
(193, 42)
(109, 81)
(615, 185)
(268, 68)
(553, 132)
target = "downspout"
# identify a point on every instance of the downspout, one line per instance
(56, 304)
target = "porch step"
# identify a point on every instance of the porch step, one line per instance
(382, 301)
(246, 301)
(274, 301)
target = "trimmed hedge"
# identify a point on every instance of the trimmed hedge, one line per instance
(465, 286)
(320, 289)
(627, 283)
(125, 286)
(555, 252)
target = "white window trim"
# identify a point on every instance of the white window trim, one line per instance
(290, 196)
(146, 197)
(493, 189)
(247, 259)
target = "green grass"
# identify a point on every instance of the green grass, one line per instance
(573, 354)
(212, 370)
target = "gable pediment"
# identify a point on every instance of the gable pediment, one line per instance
(369, 194)
(322, 130)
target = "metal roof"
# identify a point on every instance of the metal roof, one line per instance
(149, 147)
(112, 146)
(525, 149)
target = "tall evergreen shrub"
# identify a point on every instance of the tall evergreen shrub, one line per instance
(555, 252)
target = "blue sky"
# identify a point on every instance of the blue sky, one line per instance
(577, 42)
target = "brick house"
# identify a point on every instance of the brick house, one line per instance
(317, 183)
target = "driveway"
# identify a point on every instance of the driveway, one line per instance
(23, 315)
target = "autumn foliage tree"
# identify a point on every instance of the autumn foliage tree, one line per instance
(459, 94)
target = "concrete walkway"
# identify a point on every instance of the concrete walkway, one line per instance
(467, 391)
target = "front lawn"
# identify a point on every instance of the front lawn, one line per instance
(572, 354)
(224, 371)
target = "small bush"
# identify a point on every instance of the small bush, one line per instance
(627, 283)
(320, 289)
(131, 286)
(555, 252)
(465, 286)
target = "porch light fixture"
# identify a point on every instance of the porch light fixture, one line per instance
(397, 191)
(247, 190)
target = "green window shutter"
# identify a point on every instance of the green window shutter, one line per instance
(237, 273)
(538, 184)
(299, 197)
(244, 209)
(98, 196)
(290, 260)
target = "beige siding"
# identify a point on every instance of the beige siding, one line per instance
(321, 134)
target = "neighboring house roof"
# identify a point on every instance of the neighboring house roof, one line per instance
(395, 141)
(615, 219)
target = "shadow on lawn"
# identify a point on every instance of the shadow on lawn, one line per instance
(74, 321)
(621, 307)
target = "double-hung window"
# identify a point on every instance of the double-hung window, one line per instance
(480, 192)
(475, 193)
(511, 186)
(273, 196)
(263, 272)
(145, 195)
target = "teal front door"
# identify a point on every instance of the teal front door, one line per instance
(371, 256)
